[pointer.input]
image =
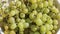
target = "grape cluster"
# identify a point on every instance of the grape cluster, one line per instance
(29, 16)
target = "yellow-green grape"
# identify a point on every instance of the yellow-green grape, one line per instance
(55, 27)
(54, 9)
(50, 3)
(12, 13)
(21, 32)
(48, 32)
(53, 31)
(13, 26)
(22, 15)
(39, 15)
(18, 20)
(12, 32)
(45, 4)
(18, 3)
(43, 32)
(42, 28)
(47, 27)
(34, 28)
(36, 33)
(46, 10)
(6, 32)
(22, 20)
(28, 20)
(1, 18)
(55, 22)
(58, 16)
(11, 20)
(34, 6)
(38, 22)
(25, 11)
(44, 17)
(51, 27)
(26, 25)
(40, 5)
(32, 16)
(23, 6)
(49, 21)
(11, 4)
(35, 12)
(33, 1)
(21, 26)
(6, 28)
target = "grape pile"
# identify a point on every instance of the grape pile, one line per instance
(29, 16)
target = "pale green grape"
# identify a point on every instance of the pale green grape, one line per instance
(58, 16)
(33, 1)
(18, 3)
(22, 20)
(1, 18)
(48, 32)
(55, 22)
(18, 20)
(46, 10)
(39, 15)
(49, 21)
(55, 27)
(11, 20)
(22, 15)
(38, 22)
(12, 32)
(40, 5)
(51, 27)
(45, 4)
(35, 12)
(43, 28)
(13, 26)
(32, 16)
(26, 25)
(36, 33)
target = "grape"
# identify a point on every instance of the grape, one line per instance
(11, 20)
(18, 20)
(35, 12)
(26, 25)
(32, 16)
(51, 27)
(58, 16)
(45, 4)
(43, 28)
(39, 15)
(55, 27)
(22, 15)
(38, 22)
(36, 33)
(34, 28)
(13, 26)
(40, 5)
(55, 22)
(18, 3)
(1, 18)
(12, 32)
(46, 10)
(33, 1)
(6, 27)
(6, 32)
(49, 32)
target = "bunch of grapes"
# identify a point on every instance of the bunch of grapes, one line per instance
(29, 17)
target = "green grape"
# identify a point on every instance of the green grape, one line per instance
(39, 15)
(40, 5)
(54, 9)
(50, 3)
(49, 21)
(18, 3)
(11, 20)
(18, 20)
(22, 20)
(38, 22)
(51, 27)
(55, 27)
(45, 4)
(21, 26)
(22, 15)
(12, 32)
(33, 1)
(13, 26)
(58, 16)
(34, 28)
(55, 22)
(34, 6)
(12, 13)
(43, 28)
(43, 32)
(36, 33)
(23, 6)
(31, 32)
(26, 25)
(25, 11)
(21, 32)
(46, 10)
(47, 27)
(32, 16)
(53, 31)
(48, 32)
(44, 17)
(35, 12)
(28, 20)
